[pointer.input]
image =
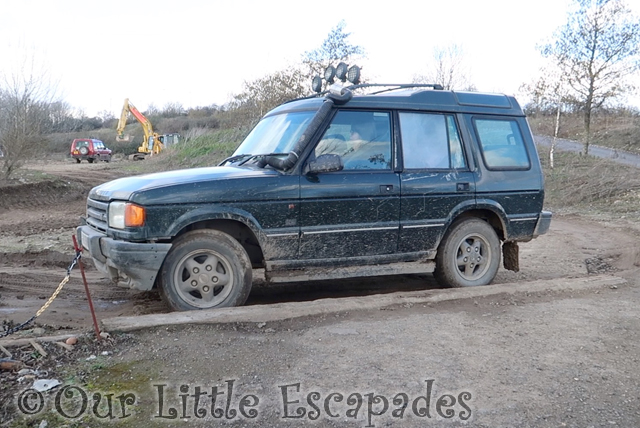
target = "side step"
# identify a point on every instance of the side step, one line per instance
(321, 273)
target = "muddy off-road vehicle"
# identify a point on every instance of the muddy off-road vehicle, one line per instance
(409, 179)
(89, 149)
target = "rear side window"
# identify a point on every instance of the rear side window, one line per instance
(430, 141)
(502, 144)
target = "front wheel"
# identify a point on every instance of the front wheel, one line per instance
(205, 269)
(468, 255)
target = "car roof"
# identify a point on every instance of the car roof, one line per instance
(419, 99)
(87, 139)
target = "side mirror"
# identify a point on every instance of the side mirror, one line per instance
(325, 163)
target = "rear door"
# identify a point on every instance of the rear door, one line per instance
(435, 178)
(353, 212)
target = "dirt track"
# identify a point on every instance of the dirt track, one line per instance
(37, 222)
(529, 359)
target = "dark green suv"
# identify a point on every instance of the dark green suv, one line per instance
(406, 180)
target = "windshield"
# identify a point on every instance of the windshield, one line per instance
(276, 134)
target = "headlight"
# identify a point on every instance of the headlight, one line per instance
(124, 214)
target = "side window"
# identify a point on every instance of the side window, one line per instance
(361, 138)
(502, 144)
(455, 145)
(430, 141)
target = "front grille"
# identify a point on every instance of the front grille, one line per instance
(97, 214)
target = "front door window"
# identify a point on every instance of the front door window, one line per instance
(361, 138)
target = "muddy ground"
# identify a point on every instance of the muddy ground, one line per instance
(37, 221)
(488, 346)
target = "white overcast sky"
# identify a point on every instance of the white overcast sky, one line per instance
(198, 53)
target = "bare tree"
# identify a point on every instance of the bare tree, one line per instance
(336, 47)
(448, 69)
(61, 116)
(26, 98)
(174, 109)
(263, 94)
(596, 50)
(549, 93)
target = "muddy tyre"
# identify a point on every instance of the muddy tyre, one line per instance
(205, 269)
(469, 254)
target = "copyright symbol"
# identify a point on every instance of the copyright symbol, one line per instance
(30, 402)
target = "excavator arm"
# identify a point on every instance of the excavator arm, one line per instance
(122, 123)
(151, 144)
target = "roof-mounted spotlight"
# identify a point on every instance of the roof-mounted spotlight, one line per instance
(341, 71)
(353, 74)
(329, 74)
(316, 84)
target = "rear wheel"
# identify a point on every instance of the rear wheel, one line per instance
(78, 160)
(205, 269)
(90, 160)
(468, 255)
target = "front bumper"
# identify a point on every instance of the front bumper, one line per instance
(129, 264)
(543, 224)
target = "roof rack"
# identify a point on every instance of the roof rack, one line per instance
(388, 86)
(394, 86)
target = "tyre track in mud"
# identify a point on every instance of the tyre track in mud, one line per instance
(24, 292)
(43, 193)
(37, 220)
(67, 182)
(42, 282)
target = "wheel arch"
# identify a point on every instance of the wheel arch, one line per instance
(489, 211)
(235, 227)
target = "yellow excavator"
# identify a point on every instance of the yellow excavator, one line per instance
(153, 142)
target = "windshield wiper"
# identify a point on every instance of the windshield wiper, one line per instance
(242, 159)
(235, 158)
(262, 157)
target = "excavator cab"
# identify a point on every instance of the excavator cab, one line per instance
(150, 142)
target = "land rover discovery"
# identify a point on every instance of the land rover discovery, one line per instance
(409, 179)
(89, 149)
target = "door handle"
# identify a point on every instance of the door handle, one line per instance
(386, 188)
(462, 187)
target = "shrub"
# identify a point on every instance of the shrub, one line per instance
(203, 147)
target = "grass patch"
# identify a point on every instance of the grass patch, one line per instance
(103, 377)
(207, 149)
(618, 131)
(585, 184)
(23, 176)
(198, 149)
